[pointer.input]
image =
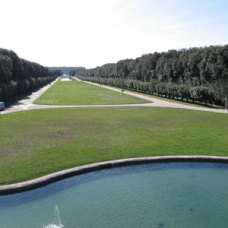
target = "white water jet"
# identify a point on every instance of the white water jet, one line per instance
(57, 221)
(53, 226)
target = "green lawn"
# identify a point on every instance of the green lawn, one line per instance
(39, 142)
(81, 93)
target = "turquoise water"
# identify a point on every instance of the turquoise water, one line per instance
(170, 195)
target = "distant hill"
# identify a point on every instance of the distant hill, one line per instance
(66, 70)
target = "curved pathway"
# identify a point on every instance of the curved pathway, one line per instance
(27, 103)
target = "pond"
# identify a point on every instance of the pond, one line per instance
(172, 195)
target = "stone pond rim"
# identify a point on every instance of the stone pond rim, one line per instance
(45, 180)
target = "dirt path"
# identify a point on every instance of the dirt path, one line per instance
(27, 103)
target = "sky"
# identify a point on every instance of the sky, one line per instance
(91, 33)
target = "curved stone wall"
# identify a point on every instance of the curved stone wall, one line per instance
(45, 180)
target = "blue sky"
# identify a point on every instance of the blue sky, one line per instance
(94, 32)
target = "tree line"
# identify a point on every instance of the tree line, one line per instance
(196, 74)
(18, 76)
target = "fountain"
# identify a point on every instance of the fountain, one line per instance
(56, 222)
(173, 194)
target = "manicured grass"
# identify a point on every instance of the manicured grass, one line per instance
(38, 142)
(81, 93)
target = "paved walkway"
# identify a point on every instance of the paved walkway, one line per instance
(156, 102)
(27, 103)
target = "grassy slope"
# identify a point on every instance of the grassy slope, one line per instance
(38, 142)
(81, 93)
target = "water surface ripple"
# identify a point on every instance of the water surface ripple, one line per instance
(169, 195)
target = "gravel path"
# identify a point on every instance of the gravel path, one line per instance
(27, 102)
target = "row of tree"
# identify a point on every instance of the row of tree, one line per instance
(18, 76)
(197, 74)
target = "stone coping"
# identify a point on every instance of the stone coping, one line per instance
(45, 180)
